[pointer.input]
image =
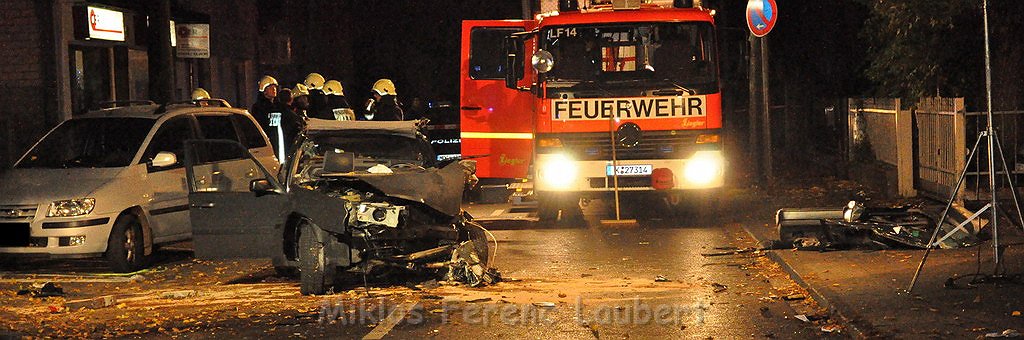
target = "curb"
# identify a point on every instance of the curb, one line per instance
(814, 292)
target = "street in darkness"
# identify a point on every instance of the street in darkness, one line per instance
(556, 169)
(666, 280)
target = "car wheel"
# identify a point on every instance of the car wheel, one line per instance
(125, 246)
(314, 274)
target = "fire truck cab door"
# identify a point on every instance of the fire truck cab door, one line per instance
(497, 122)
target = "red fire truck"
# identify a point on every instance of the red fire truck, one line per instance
(596, 99)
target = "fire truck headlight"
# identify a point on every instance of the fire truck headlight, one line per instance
(557, 171)
(704, 168)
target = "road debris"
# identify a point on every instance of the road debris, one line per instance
(794, 297)
(661, 278)
(93, 303)
(544, 304)
(43, 290)
(467, 267)
(858, 226)
(1009, 333)
(832, 328)
(178, 294)
(802, 317)
(730, 252)
(718, 287)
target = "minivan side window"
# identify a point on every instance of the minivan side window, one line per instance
(170, 138)
(219, 127)
(251, 136)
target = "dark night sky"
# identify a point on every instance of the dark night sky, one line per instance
(416, 43)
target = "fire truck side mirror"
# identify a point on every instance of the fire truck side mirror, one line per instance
(513, 62)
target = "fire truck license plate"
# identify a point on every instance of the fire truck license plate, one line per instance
(631, 170)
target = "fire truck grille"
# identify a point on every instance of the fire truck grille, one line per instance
(653, 145)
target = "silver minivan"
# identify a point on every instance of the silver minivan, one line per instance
(111, 183)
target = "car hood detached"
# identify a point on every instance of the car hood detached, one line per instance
(440, 189)
(37, 186)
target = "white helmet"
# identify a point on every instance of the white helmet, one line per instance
(333, 87)
(385, 87)
(199, 94)
(299, 91)
(266, 81)
(314, 81)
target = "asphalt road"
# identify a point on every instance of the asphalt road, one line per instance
(666, 279)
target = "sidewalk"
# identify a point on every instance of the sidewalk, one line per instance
(865, 287)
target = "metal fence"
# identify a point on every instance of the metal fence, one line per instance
(1008, 126)
(930, 153)
(941, 145)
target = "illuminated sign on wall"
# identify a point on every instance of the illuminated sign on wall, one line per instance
(105, 24)
(193, 40)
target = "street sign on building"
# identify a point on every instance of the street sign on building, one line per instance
(761, 16)
(193, 40)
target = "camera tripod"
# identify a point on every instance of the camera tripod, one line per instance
(998, 273)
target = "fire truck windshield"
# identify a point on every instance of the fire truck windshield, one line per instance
(657, 55)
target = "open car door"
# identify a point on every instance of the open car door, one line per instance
(497, 121)
(238, 209)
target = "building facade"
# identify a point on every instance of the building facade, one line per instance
(64, 57)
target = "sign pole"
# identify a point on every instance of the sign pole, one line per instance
(752, 112)
(761, 18)
(766, 121)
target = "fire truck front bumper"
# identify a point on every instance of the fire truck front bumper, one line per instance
(558, 172)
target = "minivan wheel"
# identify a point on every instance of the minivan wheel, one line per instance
(314, 275)
(124, 247)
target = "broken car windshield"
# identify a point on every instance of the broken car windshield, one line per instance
(382, 149)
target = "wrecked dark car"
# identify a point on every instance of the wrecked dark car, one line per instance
(857, 225)
(355, 196)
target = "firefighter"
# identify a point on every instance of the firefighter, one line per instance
(300, 100)
(384, 104)
(336, 101)
(277, 120)
(266, 103)
(199, 95)
(318, 106)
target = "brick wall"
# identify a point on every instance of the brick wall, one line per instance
(23, 87)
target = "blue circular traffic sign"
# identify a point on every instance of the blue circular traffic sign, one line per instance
(761, 16)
